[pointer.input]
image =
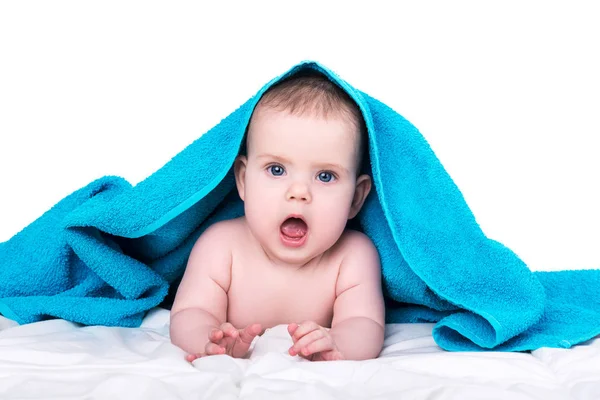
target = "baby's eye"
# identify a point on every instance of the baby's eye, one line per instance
(276, 170)
(326, 177)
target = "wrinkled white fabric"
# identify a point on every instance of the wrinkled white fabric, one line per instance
(57, 359)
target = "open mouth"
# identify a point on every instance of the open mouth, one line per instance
(293, 231)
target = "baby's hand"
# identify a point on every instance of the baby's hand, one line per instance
(226, 339)
(313, 342)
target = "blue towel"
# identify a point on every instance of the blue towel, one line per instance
(109, 252)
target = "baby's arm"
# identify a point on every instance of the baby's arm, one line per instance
(201, 301)
(359, 312)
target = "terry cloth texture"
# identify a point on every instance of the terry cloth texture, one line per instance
(108, 253)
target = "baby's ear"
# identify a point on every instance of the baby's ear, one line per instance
(363, 187)
(239, 169)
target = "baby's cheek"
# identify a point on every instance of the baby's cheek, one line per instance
(258, 197)
(331, 225)
(262, 217)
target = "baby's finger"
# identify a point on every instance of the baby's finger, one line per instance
(305, 328)
(215, 335)
(229, 330)
(213, 349)
(306, 340)
(191, 357)
(323, 344)
(292, 329)
(250, 332)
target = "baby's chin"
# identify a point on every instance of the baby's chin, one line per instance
(294, 257)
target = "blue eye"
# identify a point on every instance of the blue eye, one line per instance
(326, 177)
(276, 170)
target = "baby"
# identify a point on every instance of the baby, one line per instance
(291, 258)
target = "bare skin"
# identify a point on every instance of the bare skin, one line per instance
(244, 275)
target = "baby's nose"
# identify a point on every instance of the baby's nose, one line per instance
(300, 192)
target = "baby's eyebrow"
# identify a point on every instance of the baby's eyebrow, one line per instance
(333, 166)
(282, 160)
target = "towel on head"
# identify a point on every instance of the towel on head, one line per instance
(109, 252)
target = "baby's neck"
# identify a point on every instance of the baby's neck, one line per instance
(282, 265)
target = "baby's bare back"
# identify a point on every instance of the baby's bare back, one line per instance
(270, 295)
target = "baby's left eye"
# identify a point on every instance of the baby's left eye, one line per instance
(326, 177)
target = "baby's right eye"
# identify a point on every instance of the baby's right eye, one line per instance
(276, 170)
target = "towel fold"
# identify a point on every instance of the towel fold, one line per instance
(109, 252)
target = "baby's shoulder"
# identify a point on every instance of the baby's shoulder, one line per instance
(352, 241)
(360, 260)
(222, 232)
(357, 248)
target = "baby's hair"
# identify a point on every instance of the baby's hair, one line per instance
(309, 91)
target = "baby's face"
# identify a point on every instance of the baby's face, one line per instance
(299, 182)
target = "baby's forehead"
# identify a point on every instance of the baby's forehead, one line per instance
(265, 114)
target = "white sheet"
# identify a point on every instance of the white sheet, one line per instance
(57, 359)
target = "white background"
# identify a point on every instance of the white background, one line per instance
(506, 93)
